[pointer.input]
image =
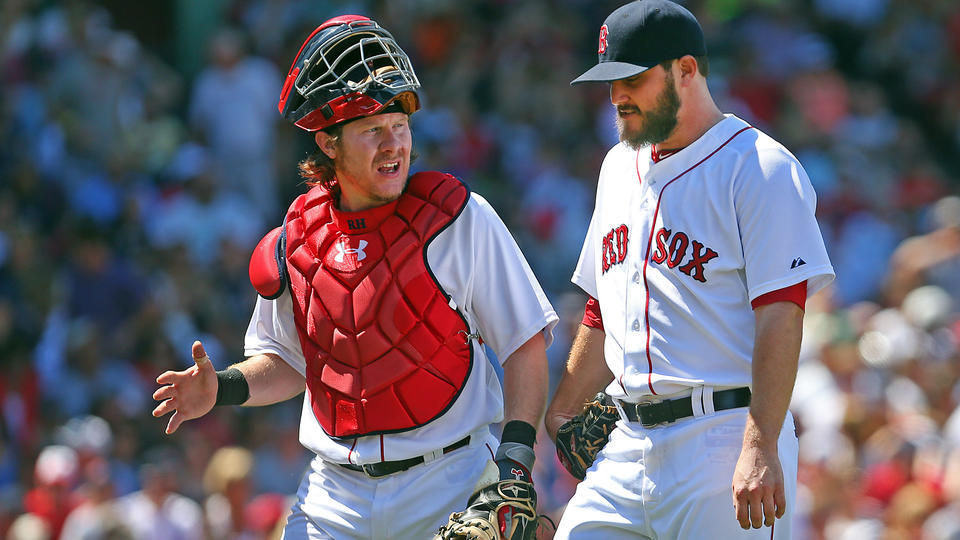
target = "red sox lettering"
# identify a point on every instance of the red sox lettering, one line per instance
(672, 250)
(614, 247)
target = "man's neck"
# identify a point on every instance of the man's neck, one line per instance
(691, 130)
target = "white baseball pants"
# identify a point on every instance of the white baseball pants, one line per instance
(673, 482)
(334, 502)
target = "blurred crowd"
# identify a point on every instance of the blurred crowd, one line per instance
(134, 183)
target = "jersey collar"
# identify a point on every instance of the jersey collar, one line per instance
(363, 221)
(658, 155)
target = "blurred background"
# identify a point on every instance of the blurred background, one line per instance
(142, 157)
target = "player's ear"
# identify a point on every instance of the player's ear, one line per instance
(327, 143)
(687, 65)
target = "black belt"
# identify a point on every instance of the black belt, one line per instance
(385, 468)
(671, 410)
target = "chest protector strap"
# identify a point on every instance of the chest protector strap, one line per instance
(385, 351)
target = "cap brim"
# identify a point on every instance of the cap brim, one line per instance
(609, 71)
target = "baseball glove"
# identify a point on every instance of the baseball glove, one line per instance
(581, 438)
(505, 510)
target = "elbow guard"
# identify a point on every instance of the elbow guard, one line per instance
(268, 266)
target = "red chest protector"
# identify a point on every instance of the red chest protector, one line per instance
(385, 350)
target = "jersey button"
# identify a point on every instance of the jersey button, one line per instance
(636, 325)
(636, 277)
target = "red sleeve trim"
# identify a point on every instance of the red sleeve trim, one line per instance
(591, 314)
(794, 293)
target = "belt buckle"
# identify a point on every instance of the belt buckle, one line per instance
(669, 417)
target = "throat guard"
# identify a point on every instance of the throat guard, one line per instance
(386, 350)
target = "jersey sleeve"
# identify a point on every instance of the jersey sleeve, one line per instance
(781, 240)
(591, 314)
(796, 294)
(478, 262)
(585, 275)
(272, 330)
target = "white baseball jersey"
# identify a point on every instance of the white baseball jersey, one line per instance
(477, 262)
(677, 249)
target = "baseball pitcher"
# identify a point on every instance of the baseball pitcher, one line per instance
(701, 253)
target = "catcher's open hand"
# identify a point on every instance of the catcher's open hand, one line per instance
(581, 438)
(190, 393)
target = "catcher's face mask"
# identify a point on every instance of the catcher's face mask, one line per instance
(347, 68)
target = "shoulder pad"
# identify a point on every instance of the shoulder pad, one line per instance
(268, 267)
(440, 189)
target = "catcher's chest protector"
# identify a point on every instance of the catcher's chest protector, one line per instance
(385, 350)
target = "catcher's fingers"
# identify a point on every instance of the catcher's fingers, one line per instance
(174, 423)
(164, 407)
(169, 377)
(164, 392)
(199, 354)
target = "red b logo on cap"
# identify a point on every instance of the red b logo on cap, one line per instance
(603, 40)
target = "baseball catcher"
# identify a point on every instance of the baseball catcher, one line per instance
(372, 295)
(581, 438)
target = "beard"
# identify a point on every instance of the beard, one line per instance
(657, 124)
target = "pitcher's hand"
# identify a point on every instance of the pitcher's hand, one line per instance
(190, 393)
(758, 490)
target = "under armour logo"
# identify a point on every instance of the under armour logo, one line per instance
(603, 40)
(797, 262)
(343, 249)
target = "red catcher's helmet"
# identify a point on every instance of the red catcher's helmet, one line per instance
(349, 67)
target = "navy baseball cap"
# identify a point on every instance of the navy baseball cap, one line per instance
(640, 35)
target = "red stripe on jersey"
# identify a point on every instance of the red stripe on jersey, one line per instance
(796, 293)
(381, 448)
(490, 450)
(350, 453)
(591, 314)
(646, 259)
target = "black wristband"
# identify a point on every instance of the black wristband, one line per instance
(520, 432)
(232, 387)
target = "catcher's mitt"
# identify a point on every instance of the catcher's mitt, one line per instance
(581, 438)
(505, 510)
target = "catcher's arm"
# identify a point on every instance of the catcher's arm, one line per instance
(504, 507)
(585, 375)
(193, 392)
(525, 382)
